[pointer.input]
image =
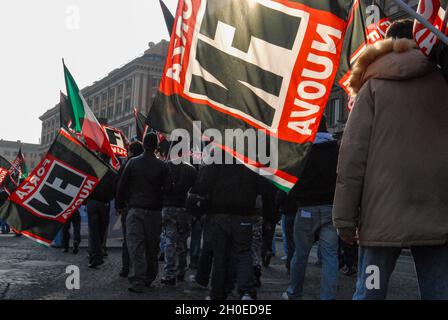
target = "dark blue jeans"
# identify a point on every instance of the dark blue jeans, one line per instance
(431, 265)
(312, 221)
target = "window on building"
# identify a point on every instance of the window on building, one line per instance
(110, 112)
(97, 101)
(128, 84)
(118, 109)
(104, 98)
(120, 89)
(127, 105)
(103, 113)
(112, 92)
(155, 82)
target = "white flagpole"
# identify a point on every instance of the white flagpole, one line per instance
(422, 20)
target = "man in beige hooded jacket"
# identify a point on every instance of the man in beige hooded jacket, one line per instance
(392, 187)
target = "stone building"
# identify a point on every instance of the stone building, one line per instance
(114, 97)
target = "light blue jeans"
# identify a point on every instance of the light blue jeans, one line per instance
(431, 265)
(309, 222)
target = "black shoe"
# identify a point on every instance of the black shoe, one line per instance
(162, 257)
(267, 259)
(168, 282)
(124, 273)
(257, 274)
(180, 278)
(94, 265)
(105, 254)
(135, 290)
(75, 248)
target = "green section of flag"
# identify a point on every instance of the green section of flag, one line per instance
(74, 99)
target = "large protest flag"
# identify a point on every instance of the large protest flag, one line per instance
(253, 64)
(366, 26)
(434, 12)
(55, 189)
(85, 122)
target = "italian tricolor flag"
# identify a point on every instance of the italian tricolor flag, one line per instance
(85, 122)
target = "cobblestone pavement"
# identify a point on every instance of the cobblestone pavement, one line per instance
(28, 271)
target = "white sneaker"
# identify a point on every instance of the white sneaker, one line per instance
(285, 296)
(208, 298)
(246, 297)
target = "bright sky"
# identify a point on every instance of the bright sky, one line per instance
(94, 37)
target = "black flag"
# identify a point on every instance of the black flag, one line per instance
(140, 124)
(169, 18)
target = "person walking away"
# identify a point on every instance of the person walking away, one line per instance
(314, 197)
(135, 150)
(232, 191)
(176, 219)
(141, 188)
(75, 221)
(393, 168)
(98, 208)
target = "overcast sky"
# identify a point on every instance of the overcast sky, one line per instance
(36, 34)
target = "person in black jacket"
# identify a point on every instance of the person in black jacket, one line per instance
(314, 195)
(135, 150)
(141, 189)
(231, 190)
(98, 213)
(176, 219)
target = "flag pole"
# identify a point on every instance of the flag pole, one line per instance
(422, 20)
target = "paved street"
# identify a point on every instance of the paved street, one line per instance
(28, 271)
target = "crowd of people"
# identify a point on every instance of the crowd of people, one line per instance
(382, 188)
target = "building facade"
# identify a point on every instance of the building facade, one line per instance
(114, 97)
(31, 152)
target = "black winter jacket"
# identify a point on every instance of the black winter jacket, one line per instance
(318, 182)
(230, 188)
(141, 183)
(181, 177)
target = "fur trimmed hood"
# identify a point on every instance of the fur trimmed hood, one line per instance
(390, 59)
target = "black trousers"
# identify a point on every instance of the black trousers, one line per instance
(75, 221)
(206, 254)
(124, 251)
(98, 217)
(232, 241)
